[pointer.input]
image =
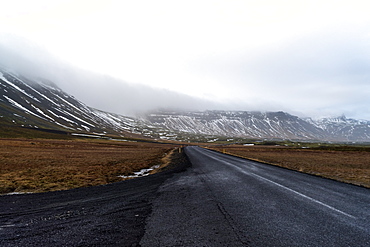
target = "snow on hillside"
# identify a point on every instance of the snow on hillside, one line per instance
(261, 125)
(42, 104)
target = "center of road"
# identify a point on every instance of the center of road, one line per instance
(228, 201)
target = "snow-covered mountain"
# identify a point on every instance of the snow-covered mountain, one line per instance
(262, 125)
(342, 128)
(41, 104)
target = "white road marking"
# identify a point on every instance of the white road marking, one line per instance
(6, 226)
(284, 187)
(303, 195)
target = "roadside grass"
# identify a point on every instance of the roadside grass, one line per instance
(11, 131)
(40, 165)
(343, 163)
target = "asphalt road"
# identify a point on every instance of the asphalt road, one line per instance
(217, 200)
(227, 201)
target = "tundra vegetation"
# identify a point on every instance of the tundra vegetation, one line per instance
(40, 165)
(346, 163)
(39, 161)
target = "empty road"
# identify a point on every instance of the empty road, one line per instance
(227, 201)
(216, 200)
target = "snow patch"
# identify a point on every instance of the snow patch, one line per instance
(16, 193)
(42, 113)
(141, 173)
(14, 103)
(16, 87)
(61, 117)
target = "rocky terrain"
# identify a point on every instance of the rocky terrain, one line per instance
(42, 105)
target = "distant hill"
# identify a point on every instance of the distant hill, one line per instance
(42, 105)
(262, 125)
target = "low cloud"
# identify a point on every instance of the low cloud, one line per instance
(317, 75)
(325, 74)
(94, 89)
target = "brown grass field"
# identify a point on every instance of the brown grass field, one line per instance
(351, 165)
(38, 165)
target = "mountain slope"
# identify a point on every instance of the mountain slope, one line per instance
(260, 125)
(342, 128)
(41, 104)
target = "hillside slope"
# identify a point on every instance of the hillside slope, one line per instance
(41, 104)
(262, 125)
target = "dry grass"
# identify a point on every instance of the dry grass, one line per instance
(347, 166)
(47, 165)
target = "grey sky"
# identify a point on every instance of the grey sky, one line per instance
(324, 74)
(310, 58)
(103, 92)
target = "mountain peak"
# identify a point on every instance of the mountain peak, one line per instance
(42, 104)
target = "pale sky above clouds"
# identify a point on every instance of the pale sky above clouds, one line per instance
(306, 57)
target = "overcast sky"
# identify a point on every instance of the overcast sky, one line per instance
(310, 58)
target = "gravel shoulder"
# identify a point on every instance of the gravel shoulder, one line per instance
(108, 215)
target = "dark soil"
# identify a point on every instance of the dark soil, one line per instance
(107, 215)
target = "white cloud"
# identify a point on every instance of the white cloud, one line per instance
(296, 55)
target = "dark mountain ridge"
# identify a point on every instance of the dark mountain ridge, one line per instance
(41, 104)
(263, 125)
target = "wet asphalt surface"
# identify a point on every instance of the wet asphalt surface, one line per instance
(228, 201)
(217, 200)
